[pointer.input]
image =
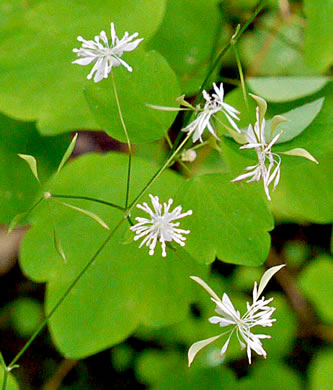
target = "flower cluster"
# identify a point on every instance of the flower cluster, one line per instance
(160, 226)
(103, 54)
(258, 314)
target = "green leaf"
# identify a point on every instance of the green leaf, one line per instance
(39, 81)
(314, 280)
(305, 191)
(300, 152)
(283, 89)
(107, 305)
(298, 120)
(18, 189)
(269, 374)
(186, 38)
(31, 161)
(320, 370)
(234, 226)
(135, 91)
(68, 153)
(274, 47)
(318, 34)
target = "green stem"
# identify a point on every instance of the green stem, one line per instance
(5, 379)
(157, 174)
(127, 139)
(69, 289)
(241, 76)
(89, 198)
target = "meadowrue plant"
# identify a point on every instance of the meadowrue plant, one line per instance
(258, 314)
(105, 55)
(122, 200)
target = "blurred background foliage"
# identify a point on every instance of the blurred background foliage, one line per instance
(287, 55)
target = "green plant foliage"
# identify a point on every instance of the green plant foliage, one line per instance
(311, 198)
(26, 315)
(18, 187)
(234, 226)
(12, 384)
(125, 286)
(275, 48)
(318, 34)
(38, 80)
(271, 374)
(284, 330)
(182, 378)
(321, 375)
(284, 89)
(152, 82)
(314, 281)
(299, 117)
(186, 38)
(298, 120)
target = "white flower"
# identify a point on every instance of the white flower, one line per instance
(104, 55)
(257, 314)
(160, 225)
(213, 105)
(256, 140)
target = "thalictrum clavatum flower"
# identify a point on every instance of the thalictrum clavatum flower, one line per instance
(269, 163)
(258, 314)
(160, 225)
(214, 103)
(103, 54)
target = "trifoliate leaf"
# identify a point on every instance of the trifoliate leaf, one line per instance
(109, 309)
